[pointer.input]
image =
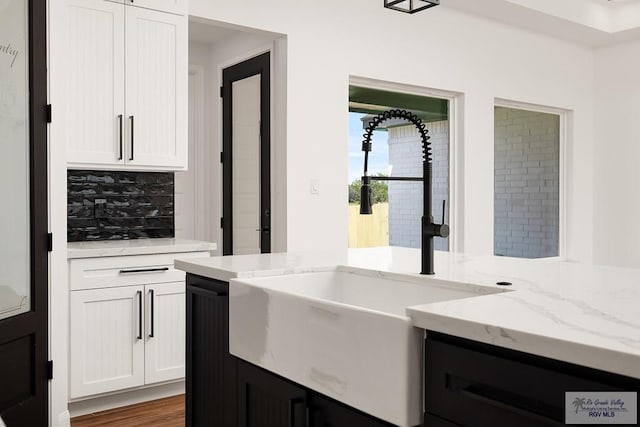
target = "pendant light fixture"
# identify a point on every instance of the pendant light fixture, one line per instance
(410, 6)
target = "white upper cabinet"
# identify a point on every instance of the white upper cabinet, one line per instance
(172, 6)
(95, 82)
(156, 91)
(126, 87)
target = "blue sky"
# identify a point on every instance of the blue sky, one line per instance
(378, 157)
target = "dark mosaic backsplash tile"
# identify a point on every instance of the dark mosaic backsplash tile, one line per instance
(135, 205)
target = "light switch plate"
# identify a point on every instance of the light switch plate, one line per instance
(315, 186)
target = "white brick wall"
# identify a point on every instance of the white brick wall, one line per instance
(405, 198)
(526, 183)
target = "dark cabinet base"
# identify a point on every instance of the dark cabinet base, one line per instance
(211, 370)
(224, 391)
(266, 400)
(473, 384)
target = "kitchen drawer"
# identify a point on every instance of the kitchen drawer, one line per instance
(473, 384)
(105, 272)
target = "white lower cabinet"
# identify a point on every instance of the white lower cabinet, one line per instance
(165, 338)
(131, 334)
(107, 350)
(126, 337)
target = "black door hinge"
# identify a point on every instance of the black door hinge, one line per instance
(222, 157)
(221, 91)
(48, 113)
(50, 369)
(49, 242)
(221, 222)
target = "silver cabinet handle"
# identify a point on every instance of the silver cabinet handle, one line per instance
(132, 121)
(120, 118)
(139, 295)
(145, 270)
(152, 295)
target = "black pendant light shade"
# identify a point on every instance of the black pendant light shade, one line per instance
(410, 6)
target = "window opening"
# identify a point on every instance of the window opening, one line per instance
(526, 183)
(397, 151)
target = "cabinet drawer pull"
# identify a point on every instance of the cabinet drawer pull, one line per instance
(152, 297)
(145, 270)
(139, 295)
(478, 394)
(120, 118)
(206, 292)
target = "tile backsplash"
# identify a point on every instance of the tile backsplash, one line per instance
(119, 205)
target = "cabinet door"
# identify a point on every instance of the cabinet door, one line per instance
(172, 6)
(211, 370)
(165, 332)
(95, 82)
(107, 343)
(325, 412)
(156, 89)
(267, 400)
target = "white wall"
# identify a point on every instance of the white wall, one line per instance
(616, 169)
(329, 41)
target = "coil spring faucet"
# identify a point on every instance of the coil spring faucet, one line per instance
(429, 228)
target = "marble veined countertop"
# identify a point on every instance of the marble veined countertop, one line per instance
(583, 314)
(105, 248)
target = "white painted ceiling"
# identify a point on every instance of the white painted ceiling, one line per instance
(205, 33)
(588, 22)
(591, 23)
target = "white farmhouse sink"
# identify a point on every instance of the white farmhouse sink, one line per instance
(341, 333)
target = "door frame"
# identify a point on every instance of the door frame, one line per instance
(35, 322)
(257, 65)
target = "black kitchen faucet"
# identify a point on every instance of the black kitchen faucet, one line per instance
(429, 228)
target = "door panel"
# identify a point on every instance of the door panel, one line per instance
(246, 157)
(165, 332)
(156, 86)
(23, 174)
(107, 342)
(95, 30)
(246, 165)
(267, 400)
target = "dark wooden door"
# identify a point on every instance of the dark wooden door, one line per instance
(211, 370)
(267, 400)
(23, 278)
(240, 207)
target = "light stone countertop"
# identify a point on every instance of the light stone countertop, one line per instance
(583, 314)
(105, 248)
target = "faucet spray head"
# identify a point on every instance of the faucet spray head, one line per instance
(366, 197)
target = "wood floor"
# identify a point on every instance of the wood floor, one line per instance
(167, 412)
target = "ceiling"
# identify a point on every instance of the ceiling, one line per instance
(592, 23)
(588, 22)
(205, 33)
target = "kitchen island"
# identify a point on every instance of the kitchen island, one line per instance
(576, 315)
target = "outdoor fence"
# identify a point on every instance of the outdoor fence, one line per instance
(369, 230)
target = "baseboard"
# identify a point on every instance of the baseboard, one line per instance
(64, 419)
(125, 398)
